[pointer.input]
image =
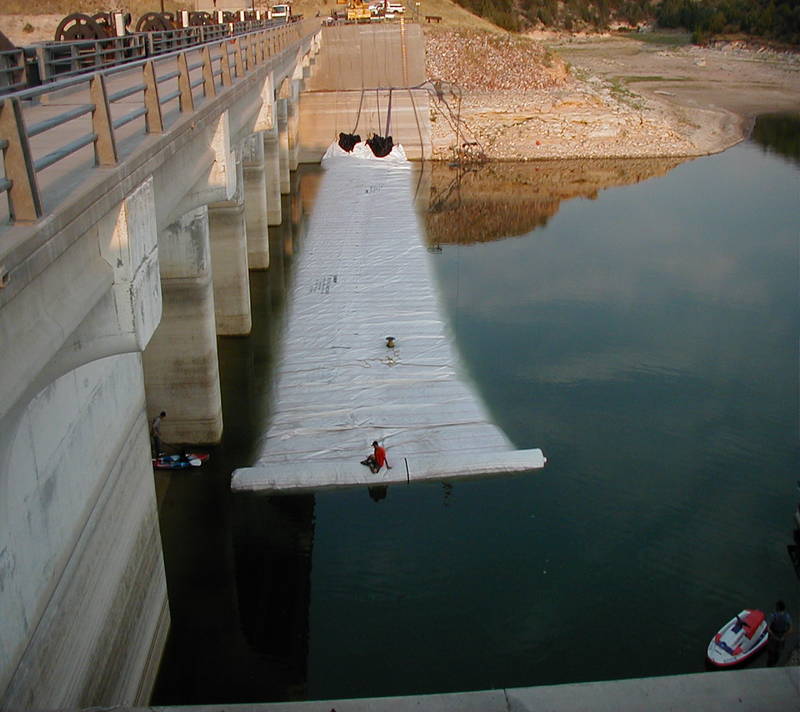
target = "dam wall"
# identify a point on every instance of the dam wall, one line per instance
(109, 265)
(367, 78)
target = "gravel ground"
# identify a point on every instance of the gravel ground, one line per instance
(520, 101)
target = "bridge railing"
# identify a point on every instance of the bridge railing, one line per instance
(35, 135)
(58, 60)
(12, 70)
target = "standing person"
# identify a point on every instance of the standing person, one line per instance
(780, 623)
(377, 459)
(155, 432)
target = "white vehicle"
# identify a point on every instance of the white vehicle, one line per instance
(280, 12)
(385, 8)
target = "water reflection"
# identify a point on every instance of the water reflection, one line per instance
(779, 134)
(498, 200)
(378, 492)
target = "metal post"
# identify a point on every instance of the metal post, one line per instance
(105, 148)
(24, 202)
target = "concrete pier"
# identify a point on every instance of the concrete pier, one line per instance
(283, 144)
(255, 201)
(229, 260)
(272, 174)
(180, 362)
(77, 517)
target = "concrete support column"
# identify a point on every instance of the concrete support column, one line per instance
(272, 175)
(255, 202)
(229, 261)
(283, 144)
(293, 123)
(180, 362)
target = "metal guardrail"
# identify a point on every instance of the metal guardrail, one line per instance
(57, 60)
(12, 70)
(220, 64)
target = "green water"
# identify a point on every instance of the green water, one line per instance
(647, 341)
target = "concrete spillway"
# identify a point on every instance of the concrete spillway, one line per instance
(363, 275)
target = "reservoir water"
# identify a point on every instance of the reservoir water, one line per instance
(639, 323)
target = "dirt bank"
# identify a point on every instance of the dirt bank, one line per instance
(619, 96)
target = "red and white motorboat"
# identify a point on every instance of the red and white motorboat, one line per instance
(739, 639)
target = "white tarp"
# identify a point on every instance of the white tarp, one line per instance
(362, 273)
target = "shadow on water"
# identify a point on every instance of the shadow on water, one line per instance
(221, 577)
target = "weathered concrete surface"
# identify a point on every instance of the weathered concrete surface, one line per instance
(348, 91)
(227, 227)
(82, 585)
(757, 690)
(323, 115)
(255, 201)
(180, 362)
(369, 57)
(272, 174)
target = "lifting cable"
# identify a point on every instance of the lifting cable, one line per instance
(358, 113)
(388, 114)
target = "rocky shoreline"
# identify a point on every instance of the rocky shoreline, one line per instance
(556, 110)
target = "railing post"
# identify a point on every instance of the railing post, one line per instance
(152, 103)
(209, 88)
(24, 203)
(185, 85)
(262, 50)
(105, 148)
(225, 63)
(238, 61)
(251, 54)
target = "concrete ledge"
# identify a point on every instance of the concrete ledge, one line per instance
(755, 690)
(300, 476)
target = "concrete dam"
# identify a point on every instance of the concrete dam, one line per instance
(135, 201)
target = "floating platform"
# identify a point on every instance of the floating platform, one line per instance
(362, 274)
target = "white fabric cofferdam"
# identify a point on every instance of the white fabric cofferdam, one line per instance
(362, 274)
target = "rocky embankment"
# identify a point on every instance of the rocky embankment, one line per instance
(512, 99)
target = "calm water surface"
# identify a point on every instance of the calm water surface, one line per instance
(647, 341)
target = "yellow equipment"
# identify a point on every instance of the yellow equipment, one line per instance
(358, 11)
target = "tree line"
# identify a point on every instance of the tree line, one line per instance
(772, 19)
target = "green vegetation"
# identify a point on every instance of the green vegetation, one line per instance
(771, 19)
(564, 14)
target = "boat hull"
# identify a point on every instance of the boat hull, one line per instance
(739, 639)
(179, 462)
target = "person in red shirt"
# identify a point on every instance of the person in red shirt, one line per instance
(377, 459)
